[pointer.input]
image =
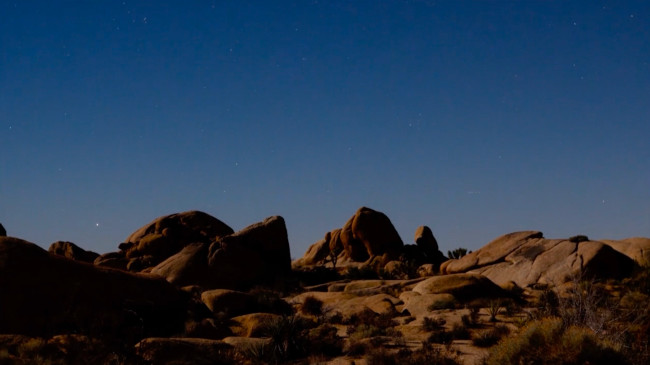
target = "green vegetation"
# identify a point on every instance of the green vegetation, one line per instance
(457, 253)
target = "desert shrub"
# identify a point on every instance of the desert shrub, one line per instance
(270, 301)
(426, 355)
(579, 238)
(383, 321)
(639, 280)
(547, 341)
(364, 272)
(440, 336)
(357, 348)
(548, 303)
(457, 253)
(493, 309)
(324, 340)
(288, 335)
(490, 337)
(433, 324)
(472, 319)
(460, 332)
(312, 306)
(362, 331)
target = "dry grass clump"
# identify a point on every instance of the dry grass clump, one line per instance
(490, 337)
(548, 341)
(426, 355)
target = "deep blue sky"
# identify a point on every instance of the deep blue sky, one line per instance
(474, 118)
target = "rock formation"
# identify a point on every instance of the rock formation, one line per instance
(3, 232)
(72, 251)
(164, 237)
(527, 258)
(370, 237)
(257, 255)
(49, 294)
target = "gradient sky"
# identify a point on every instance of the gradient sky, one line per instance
(474, 118)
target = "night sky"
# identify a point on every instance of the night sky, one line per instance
(474, 118)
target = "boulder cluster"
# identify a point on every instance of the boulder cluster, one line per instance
(187, 283)
(370, 237)
(194, 248)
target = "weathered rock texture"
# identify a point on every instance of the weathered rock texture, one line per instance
(167, 235)
(527, 258)
(46, 294)
(367, 236)
(71, 251)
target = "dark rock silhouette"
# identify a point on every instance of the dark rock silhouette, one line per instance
(47, 294)
(71, 251)
(3, 232)
(257, 255)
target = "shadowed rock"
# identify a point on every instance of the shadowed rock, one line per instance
(46, 294)
(167, 235)
(3, 232)
(73, 252)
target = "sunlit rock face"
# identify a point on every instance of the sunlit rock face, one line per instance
(527, 258)
(370, 237)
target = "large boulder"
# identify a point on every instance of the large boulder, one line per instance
(377, 233)
(527, 258)
(258, 254)
(462, 286)
(71, 251)
(45, 294)
(426, 242)
(3, 232)
(230, 302)
(636, 248)
(168, 235)
(187, 267)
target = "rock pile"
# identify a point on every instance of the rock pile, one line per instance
(369, 236)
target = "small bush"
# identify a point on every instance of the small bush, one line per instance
(426, 355)
(312, 306)
(460, 332)
(490, 337)
(546, 341)
(493, 309)
(440, 336)
(324, 340)
(365, 272)
(579, 238)
(433, 324)
(457, 253)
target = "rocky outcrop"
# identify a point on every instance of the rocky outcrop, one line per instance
(527, 258)
(462, 286)
(636, 248)
(230, 302)
(370, 237)
(169, 234)
(3, 232)
(71, 251)
(257, 255)
(46, 294)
